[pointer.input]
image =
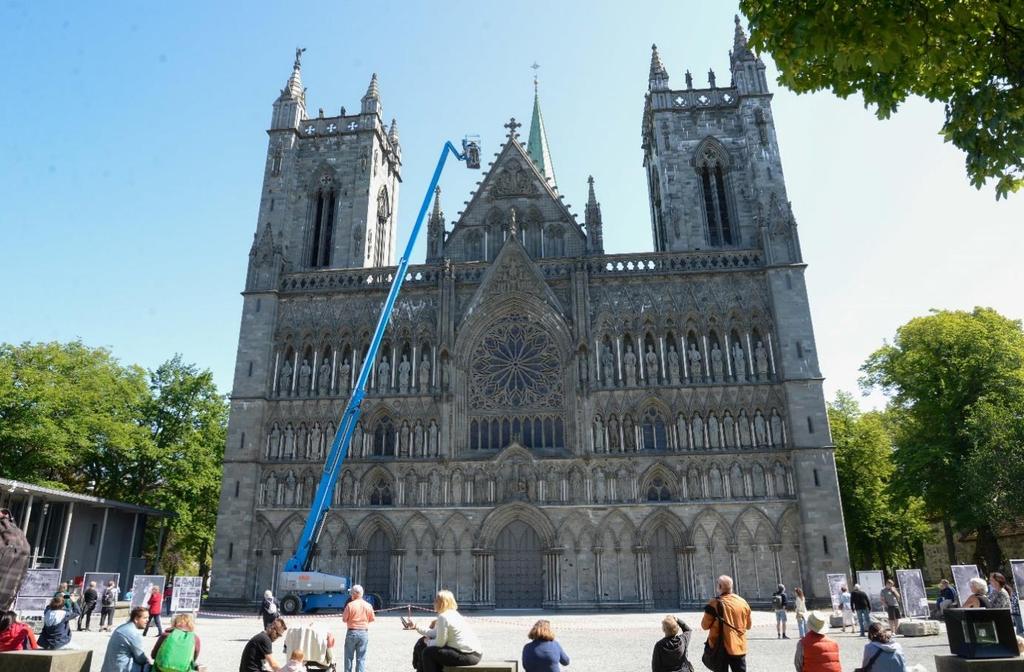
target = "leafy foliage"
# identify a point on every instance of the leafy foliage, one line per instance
(72, 417)
(956, 386)
(967, 54)
(881, 524)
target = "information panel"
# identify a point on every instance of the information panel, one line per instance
(143, 585)
(872, 582)
(835, 582)
(915, 599)
(962, 574)
(186, 593)
(36, 592)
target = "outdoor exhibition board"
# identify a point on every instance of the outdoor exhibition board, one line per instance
(962, 575)
(835, 582)
(915, 599)
(101, 579)
(186, 592)
(871, 582)
(36, 592)
(142, 586)
(1017, 566)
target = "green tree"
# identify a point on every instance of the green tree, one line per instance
(956, 384)
(883, 528)
(968, 55)
(64, 408)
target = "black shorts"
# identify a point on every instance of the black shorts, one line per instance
(893, 613)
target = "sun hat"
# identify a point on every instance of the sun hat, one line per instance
(817, 623)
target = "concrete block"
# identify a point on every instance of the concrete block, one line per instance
(918, 628)
(46, 661)
(950, 663)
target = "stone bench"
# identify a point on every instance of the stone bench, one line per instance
(950, 663)
(486, 666)
(46, 661)
(918, 628)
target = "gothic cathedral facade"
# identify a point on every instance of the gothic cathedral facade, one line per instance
(547, 425)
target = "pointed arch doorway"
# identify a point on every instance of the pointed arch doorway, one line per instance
(518, 568)
(664, 570)
(378, 566)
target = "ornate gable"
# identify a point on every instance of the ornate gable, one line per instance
(512, 273)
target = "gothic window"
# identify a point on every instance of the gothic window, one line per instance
(275, 163)
(380, 493)
(474, 246)
(515, 365)
(384, 438)
(322, 235)
(380, 252)
(654, 185)
(654, 431)
(533, 234)
(554, 243)
(712, 166)
(657, 491)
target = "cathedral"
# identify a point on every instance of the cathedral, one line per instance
(547, 425)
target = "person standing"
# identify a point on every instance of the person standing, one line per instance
(861, 604)
(155, 603)
(670, 651)
(108, 602)
(450, 642)
(779, 599)
(358, 615)
(815, 652)
(846, 608)
(89, 599)
(56, 632)
(998, 597)
(260, 649)
(542, 653)
(891, 600)
(268, 608)
(800, 608)
(124, 648)
(727, 619)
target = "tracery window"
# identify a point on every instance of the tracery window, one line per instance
(654, 431)
(321, 238)
(711, 166)
(384, 438)
(657, 491)
(380, 493)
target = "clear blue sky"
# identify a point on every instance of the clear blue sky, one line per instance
(133, 145)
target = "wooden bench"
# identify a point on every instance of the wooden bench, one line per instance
(46, 661)
(487, 666)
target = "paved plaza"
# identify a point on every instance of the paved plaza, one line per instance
(595, 642)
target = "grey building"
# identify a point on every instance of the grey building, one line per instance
(79, 533)
(548, 424)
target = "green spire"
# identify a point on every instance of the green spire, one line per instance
(537, 146)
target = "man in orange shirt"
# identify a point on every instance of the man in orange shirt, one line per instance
(358, 615)
(735, 611)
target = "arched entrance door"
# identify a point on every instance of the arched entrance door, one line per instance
(378, 566)
(518, 568)
(664, 570)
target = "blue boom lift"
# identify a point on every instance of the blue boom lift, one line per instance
(304, 589)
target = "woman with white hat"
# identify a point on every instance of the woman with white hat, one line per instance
(815, 652)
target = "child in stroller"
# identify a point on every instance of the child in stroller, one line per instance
(316, 643)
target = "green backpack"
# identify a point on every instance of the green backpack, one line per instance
(177, 652)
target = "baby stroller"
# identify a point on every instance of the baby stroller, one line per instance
(315, 642)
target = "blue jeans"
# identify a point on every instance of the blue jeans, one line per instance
(355, 646)
(801, 625)
(864, 618)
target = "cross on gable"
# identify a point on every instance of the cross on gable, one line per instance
(311, 129)
(512, 125)
(331, 128)
(352, 126)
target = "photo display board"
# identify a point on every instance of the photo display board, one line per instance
(186, 593)
(1018, 576)
(101, 579)
(36, 592)
(872, 582)
(915, 599)
(835, 582)
(962, 574)
(142, 586)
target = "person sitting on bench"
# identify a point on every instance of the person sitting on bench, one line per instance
(450, 642)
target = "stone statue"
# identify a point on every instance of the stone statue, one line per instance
(323, 381)
(629, 364)
(289, 443)
(274, 450)
(673, 365)
(305, 373)
(716, 363)
(628, 434)
(608, 365)
(613, 435)
(760, 430)
(285, 385)
(651, 362)
(689, 80)
(739, 360)
(404, 369)
(696, 372)
(383, 375)
(272, 488)
(424, 373)
(513, 228)
(289, 485)
(598, 435)
(584, 369)
(711, 78)
(344, 377)
(761, 360)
